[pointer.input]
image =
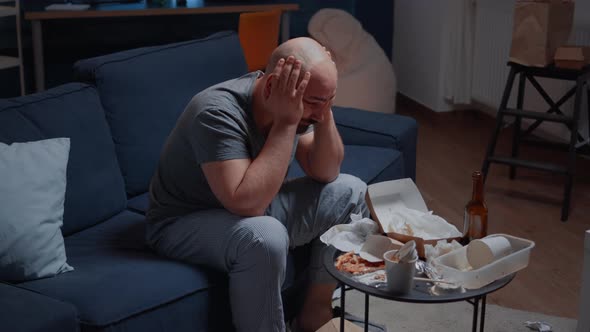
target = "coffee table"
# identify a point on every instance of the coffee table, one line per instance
(419, 294)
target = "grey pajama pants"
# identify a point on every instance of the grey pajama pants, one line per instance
(253, 251)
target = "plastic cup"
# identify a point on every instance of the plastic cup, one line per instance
(484, 251)
(400, 276)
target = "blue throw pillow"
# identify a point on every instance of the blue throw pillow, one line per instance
(32, 195)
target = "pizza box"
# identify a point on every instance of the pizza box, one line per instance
(384, 198)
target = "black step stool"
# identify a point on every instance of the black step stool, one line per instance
(554, 114)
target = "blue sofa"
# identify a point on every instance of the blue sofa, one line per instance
(117, 118)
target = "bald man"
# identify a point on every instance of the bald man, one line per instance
(219, 196)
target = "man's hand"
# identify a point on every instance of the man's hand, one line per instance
(286, 95)
(325, 114)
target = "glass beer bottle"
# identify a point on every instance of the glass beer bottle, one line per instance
(476, 212)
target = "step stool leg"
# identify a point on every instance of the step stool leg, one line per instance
(588, 104)
(517, 122)
(581, 83)
(499, 117)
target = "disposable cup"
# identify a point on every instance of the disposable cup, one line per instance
(484, 251)
(400, 276)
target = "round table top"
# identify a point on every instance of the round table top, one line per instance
(419, 294)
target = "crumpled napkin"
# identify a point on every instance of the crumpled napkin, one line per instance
(407, 253)
(420, 224)
(352, 236)
(442, 247)
(538, 326)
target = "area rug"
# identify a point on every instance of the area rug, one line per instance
(452, 317)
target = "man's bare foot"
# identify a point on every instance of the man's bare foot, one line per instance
(317, 308)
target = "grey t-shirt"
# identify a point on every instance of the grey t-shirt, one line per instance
(216, 125)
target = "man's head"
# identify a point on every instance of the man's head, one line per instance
(321, 88)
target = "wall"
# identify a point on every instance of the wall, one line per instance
(418, 30)
(492, 46)
(418, 56)
(376, 17)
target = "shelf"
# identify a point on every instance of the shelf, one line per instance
(530, 164)
(538, 115)
(7, 11)
(8, 62)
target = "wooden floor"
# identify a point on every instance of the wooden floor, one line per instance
(450, 147)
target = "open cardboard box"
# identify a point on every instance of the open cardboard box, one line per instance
(384, 197)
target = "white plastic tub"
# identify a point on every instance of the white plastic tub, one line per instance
(455, 267)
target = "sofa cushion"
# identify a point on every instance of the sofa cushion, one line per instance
(139, 203)
(117, 277)
(392, 131)
(95, 189)
(202, 311)
(26, 311)
(144, 91)
(31, 209)
(364, 162)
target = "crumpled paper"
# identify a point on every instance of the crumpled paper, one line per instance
(407, 253)
(538, 326)
(420, 224)
(352, 236)
(442, 247)
(377, 245)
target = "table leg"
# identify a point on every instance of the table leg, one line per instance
(285, 25)
(572, 150)
(475, 312)
(39, 66)
(483, 313)
(366, 312)
(503, 105)
(588, 104)
(342, 303)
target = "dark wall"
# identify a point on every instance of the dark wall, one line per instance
(8, 77)
(66, 41)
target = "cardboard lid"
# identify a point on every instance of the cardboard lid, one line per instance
(385, 198)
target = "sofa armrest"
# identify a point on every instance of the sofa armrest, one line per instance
(380, 129)
(24, 310)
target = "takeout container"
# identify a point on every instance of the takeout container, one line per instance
(454, 266)
(384, 197)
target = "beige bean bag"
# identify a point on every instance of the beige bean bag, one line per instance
(366, 79)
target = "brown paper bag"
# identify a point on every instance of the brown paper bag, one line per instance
(540, 27)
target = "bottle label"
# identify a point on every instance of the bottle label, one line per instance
(472, 226)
